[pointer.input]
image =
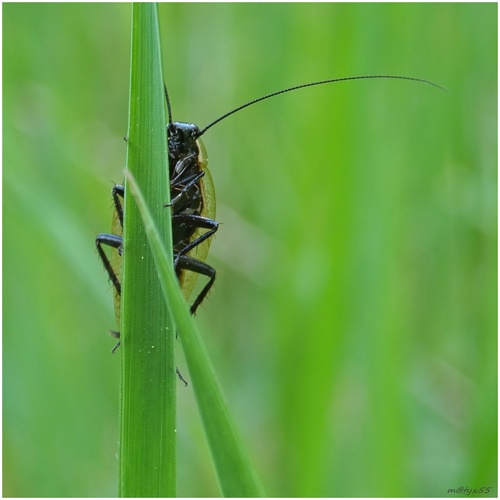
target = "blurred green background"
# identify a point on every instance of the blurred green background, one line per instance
(353, 321)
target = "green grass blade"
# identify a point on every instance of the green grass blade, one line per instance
(147, 447)
(237, 478)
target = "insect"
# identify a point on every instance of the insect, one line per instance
(192, 201)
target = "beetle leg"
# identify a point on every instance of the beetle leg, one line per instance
(117, 192)
(112, 241)
(182, 165)
(197, 266)
(174, 185)
(117, 335)
(196, 221)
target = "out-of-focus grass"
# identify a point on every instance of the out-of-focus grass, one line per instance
(353, 321)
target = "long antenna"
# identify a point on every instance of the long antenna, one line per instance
(344, 79)
(169, 109)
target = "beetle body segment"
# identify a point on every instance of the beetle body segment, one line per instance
(193, 208)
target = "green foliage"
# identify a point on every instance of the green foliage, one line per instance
(353, 321)
(148, 385)
(235, 474)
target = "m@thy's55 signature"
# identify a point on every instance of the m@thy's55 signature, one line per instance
(462, 490)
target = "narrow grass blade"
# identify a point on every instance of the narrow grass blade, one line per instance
(237, 478)
(147, 458)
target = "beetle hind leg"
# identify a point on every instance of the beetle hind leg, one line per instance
(186, 263)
